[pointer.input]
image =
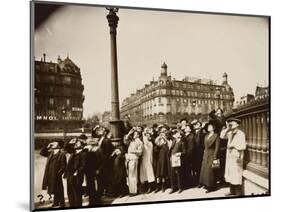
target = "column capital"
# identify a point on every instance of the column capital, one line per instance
(112, 19)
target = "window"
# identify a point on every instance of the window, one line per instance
(51, 78)
(66, 80)
(67, 102)
(52, 113)
(159, 99)
(51, 89)
(51, 101)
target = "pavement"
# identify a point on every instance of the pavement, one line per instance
(189, 194)
(43, 200)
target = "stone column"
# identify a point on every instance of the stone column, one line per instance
(250, 138)
(116, 123)
(259, 139)
(254, 137)
(247, 137)
(264, 140)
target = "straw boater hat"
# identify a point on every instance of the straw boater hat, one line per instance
(238, 121)
(195, 121)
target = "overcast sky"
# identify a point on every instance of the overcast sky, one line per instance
(197, 45)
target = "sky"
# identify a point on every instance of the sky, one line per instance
(191, 44)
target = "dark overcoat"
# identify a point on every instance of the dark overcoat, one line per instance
(207, 176)
(119, 171)
(189, 144)
(198, 149)
(162, 167)
(55, 166)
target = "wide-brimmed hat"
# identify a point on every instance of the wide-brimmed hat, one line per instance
(238, 121)
(177, 131)
(210, 122)
(83, 137)
(195, 121)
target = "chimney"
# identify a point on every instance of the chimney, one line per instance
(44, 57)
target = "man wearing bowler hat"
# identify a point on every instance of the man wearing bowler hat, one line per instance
(236, 145)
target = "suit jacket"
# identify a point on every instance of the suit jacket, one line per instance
(176, 147)
(76, 163)
(199, 143)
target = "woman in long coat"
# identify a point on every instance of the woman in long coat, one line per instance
(135, 149)
(146, 166)
(211, 143)
(163, 164)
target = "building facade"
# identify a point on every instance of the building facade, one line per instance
(58, 95)
(245, 99)
(261, 92)
(167, 100)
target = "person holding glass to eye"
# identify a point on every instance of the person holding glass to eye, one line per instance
(135, 149)
(211, 148)
(236, 145)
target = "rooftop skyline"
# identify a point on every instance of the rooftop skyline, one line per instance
(195, 45)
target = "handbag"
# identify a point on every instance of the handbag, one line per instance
(216, 164)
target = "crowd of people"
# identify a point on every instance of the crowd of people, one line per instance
(149, 159)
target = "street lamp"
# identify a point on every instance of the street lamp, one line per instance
(116, 123)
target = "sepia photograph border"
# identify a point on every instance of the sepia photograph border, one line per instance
(32, 112)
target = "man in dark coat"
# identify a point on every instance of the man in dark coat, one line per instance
(175, 152)
(106, 149)
(93, 164)
(198, 150)
(54, 169)
(74, 174)
(188, 143)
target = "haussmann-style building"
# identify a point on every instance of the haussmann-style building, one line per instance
(168, 100)
(58, 95)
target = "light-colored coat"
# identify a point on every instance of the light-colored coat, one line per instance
(236, 145)
(132, 160)
(146, 167)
